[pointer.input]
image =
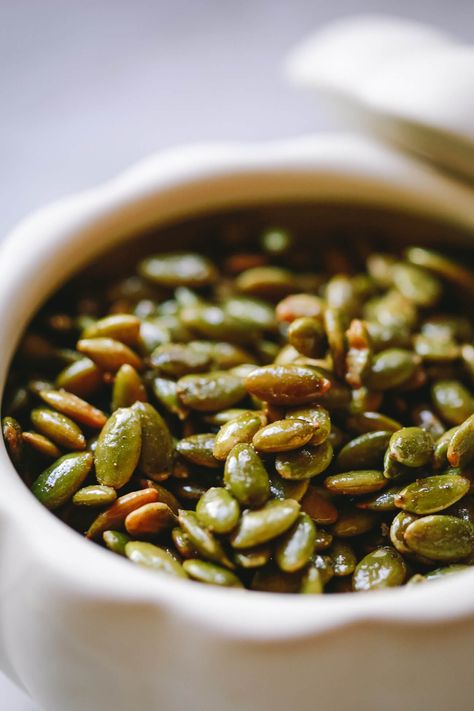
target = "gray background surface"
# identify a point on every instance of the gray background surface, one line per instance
(88, 87)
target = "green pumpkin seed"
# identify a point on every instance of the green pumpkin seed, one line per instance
(397, 531)
(416, 284)
(253, 557)
(312, 583)
(452, 400)
(363, 452)
(166, 392)
(442, 266)
(286, 384)
(343, 558)
(440, 537)
(156, 443)
(246, 476)
(74, 407)
(265, 524)
(364, 481)
(304, 463)
(238, 430)
(440, 454)
(57, 485)
(307, 335)
(199, 449)
(108, 354)
(383, 568)
(210, 392)
(440, 573)
(286, 489)
(178, 269)
(116, 541)
(203, 540)
(41, 444)
(270, 579)
(151, 556)
(258, 314)
(217, 510)
(359, 354)
(353, 522)
(432, 494)
(118, 448)
(411, 446)
(335, 326)
(58, 428)
(128, 388)
(82, 378)
(121, 327)
(324, 564)
(461, 445)
(363, 422)
(392, 368)
(177, 359)
(383, 501)
(94, 495)
(316, 415)
(210, 573)
(271, 283)
(115, 515)
(296, 547)
(435, 350)
(283, 435)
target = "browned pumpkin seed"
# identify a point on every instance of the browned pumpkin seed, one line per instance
(149, 520)
(74, 407)
(109, 354)
(121, 327)
(114, 517)
(300, 306)
(41, 444)
(317, 504)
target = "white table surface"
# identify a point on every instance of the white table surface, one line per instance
(89, 87)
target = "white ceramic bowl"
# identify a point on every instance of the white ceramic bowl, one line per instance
(83, 629)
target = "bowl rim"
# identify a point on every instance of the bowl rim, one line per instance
(43, 251)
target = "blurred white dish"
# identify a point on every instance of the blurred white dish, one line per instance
(408, 83)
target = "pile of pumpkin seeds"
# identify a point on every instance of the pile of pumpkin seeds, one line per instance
(247, 425)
